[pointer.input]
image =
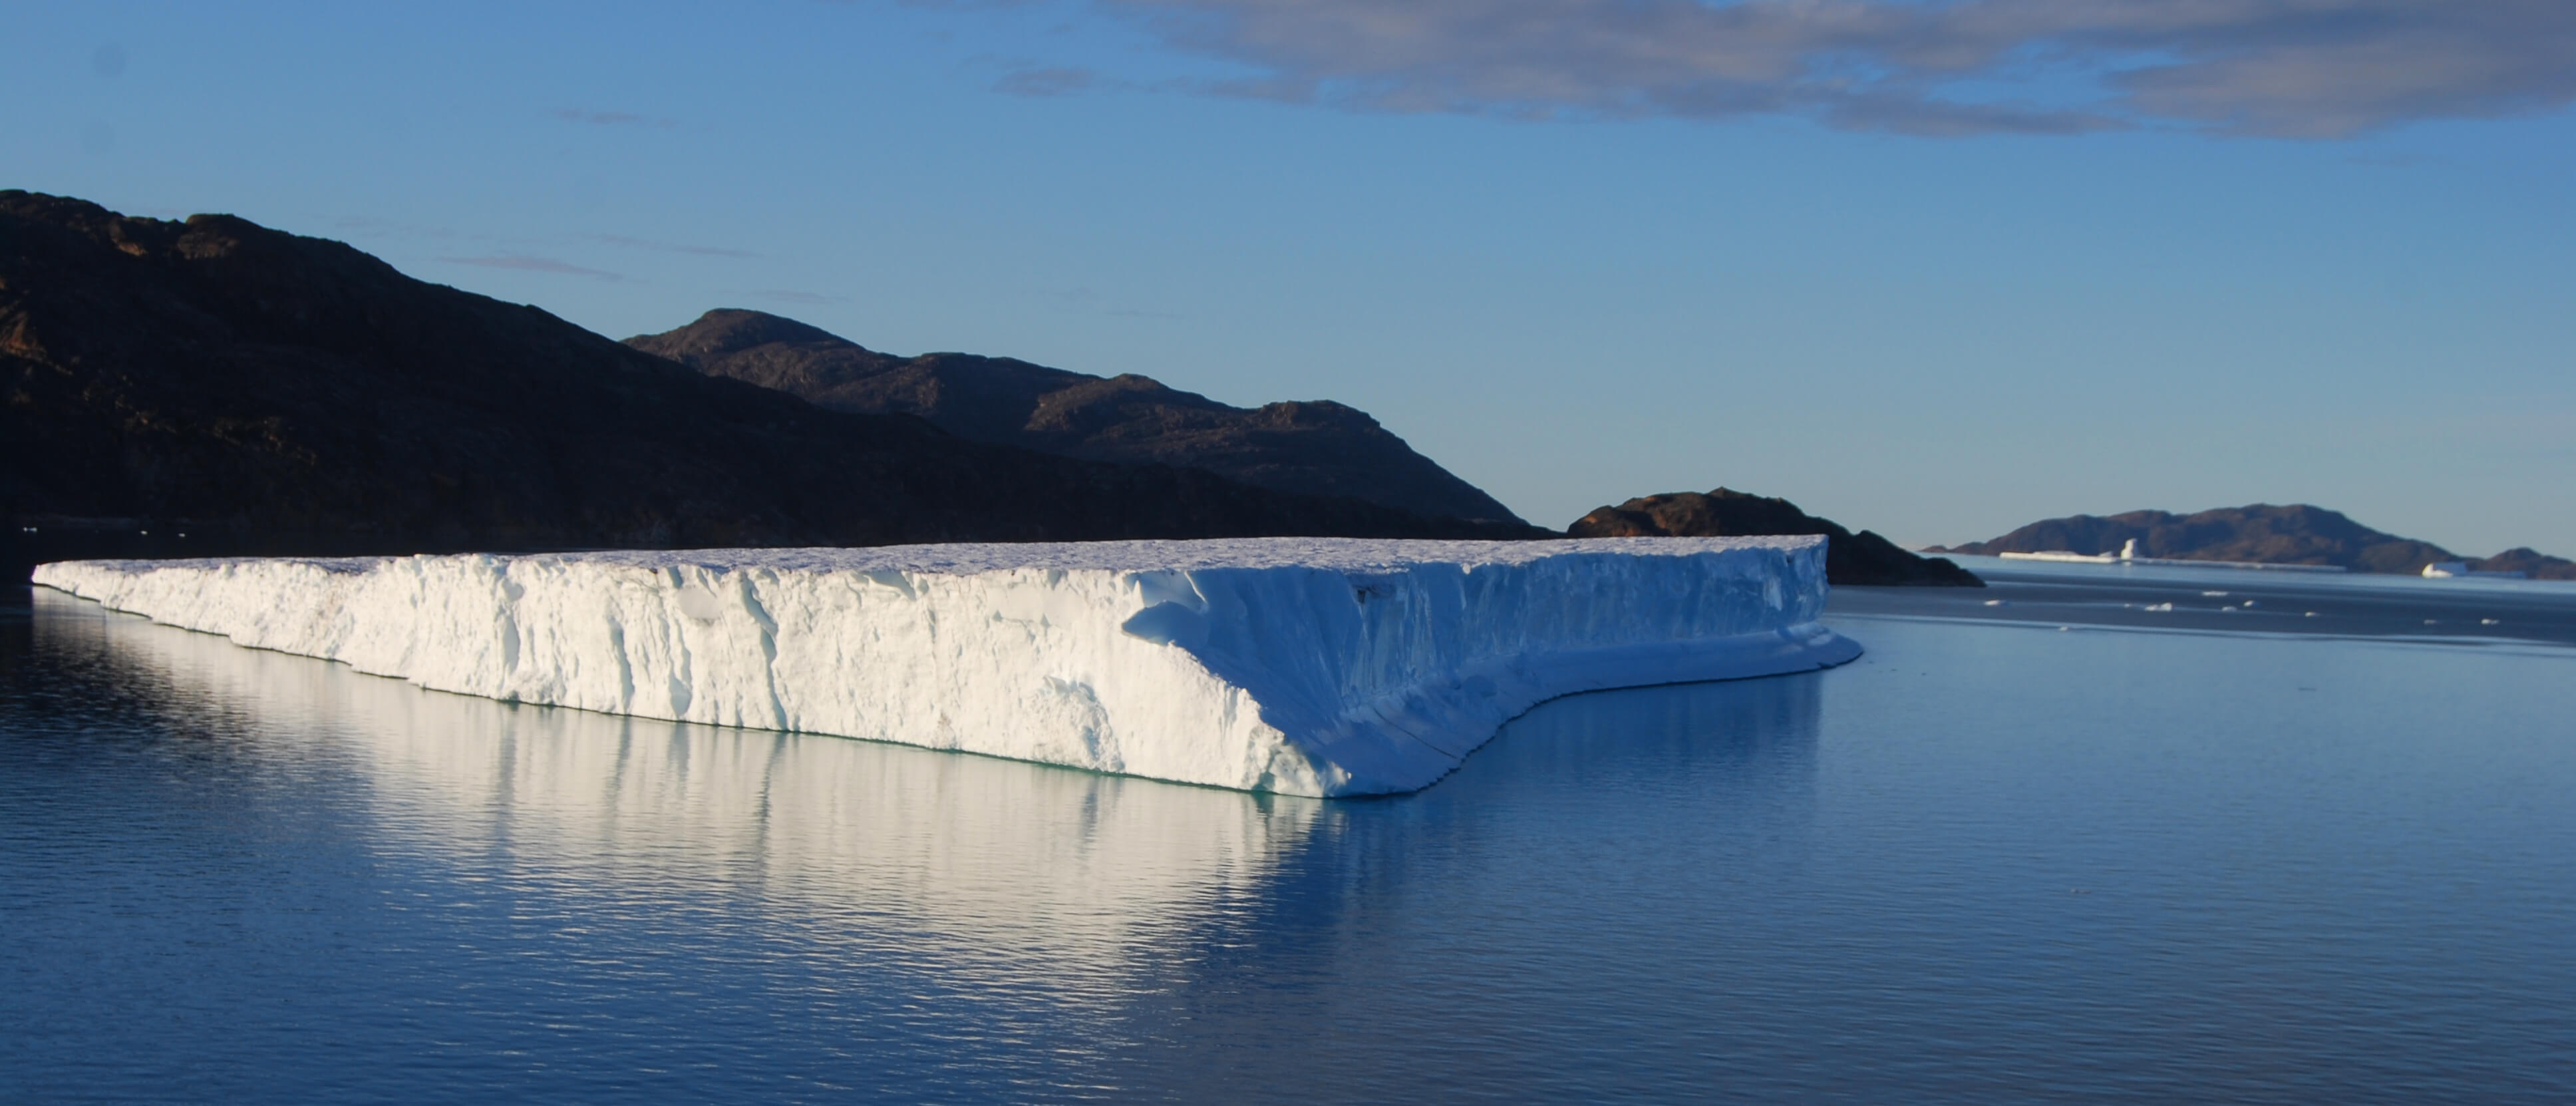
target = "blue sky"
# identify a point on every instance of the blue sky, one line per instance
(1932, 269)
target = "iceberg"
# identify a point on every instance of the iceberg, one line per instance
(1305, 666)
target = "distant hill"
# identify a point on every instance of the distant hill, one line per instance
(2296, 534)
(1316, 448)
(2529, 562)
(1850, 559)
(273, 393)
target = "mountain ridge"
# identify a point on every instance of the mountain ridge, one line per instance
(294, 394)
(1315, 447)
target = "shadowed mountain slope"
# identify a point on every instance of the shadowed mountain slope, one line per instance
(1316, 448)
(1850, 559)
(274, 393)
(2528, 561)
(2296, 534)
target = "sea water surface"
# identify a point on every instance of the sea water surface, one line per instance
(2204, 854)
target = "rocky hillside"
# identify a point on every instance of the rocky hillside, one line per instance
(1315, 448)
(1850, 559)
(2528, 561)
(268, 392)
(2296, 534)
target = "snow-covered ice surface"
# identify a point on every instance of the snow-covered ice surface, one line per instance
(1307, 666)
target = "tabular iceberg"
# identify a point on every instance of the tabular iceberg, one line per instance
(1306, 666)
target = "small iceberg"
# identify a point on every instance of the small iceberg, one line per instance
(2128, 555)
(2447, 570)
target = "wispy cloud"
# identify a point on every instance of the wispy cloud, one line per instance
(1089, 300)
(610, 118)
(381, 227)
(1047, 81)
(2284, 68)
(790, 295)
(2392, 160)
(527, 263)
(669, 247)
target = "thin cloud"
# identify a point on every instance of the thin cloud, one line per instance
(670, 247)
(1048, 81)
(380, 227)
(610, 118)
(525, 263)
(2282, 68)
(790, 295)
(2392, 161)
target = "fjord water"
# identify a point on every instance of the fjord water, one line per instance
(1990, 860)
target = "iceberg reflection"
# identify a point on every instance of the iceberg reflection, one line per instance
(962, 853)
(1129, 897)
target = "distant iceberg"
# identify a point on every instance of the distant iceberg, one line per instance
(2128, 555)
(1301, 666)
(2446, 570)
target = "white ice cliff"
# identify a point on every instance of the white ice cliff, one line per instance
(1306, 666)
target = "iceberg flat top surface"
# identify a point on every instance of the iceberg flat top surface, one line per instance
(969, 558)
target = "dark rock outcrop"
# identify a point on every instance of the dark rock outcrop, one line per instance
(1864, 559)
(2297, 534)
(1315, 448)
(273, 393)
(2530, 562)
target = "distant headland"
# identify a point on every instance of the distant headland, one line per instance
(1864, 559)
(2296, 534)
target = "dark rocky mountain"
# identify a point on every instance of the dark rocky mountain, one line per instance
(2528, 561)
(265, 392)
(1864, 558)
(1315, 448)
(2296, 534)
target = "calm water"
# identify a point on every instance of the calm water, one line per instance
(1991, 861)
